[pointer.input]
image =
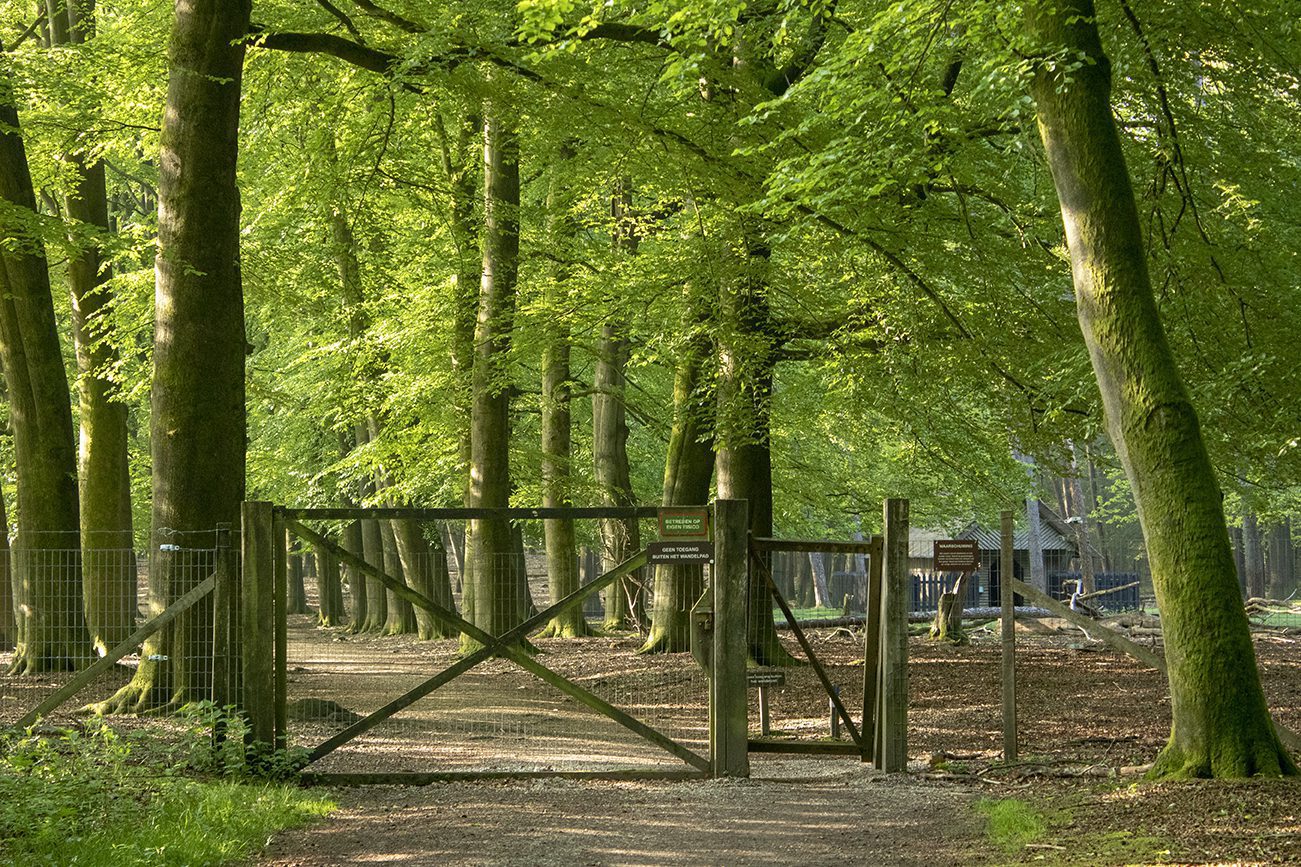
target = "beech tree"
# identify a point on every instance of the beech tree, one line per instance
(1221, 725)
(197, 421)
(51, 632)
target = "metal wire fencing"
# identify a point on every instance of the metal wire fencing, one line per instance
(72, 618)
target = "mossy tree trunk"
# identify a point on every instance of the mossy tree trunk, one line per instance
(51, 631)
(424, 567)
(491, 598)
(746, 358)
(8, 623)
(1221, 724)
(197, 421)
(688, 467)
(109, 573)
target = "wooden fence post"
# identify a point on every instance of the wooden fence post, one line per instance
(225, 598)
(728, 700)
(892, 718)
(257, 620)
(1008, 629)
(281, 607)
(872, 649)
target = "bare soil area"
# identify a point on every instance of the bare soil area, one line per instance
(1089, 717)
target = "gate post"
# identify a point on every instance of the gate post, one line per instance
(892, 720)
(257, 621)
(728, 701)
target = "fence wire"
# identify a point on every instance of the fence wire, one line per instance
(73, 600)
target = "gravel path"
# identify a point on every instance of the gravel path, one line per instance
(793, 811)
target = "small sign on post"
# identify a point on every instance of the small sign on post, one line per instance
(679, 552)
(684, 523)
(956, 555)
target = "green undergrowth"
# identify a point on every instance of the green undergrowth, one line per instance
(1011, 823)
(93, 796)
(1052, 835)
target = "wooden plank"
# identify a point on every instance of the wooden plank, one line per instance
(55, 699)
(462, 514)
(812, 657)
(728, 697)
(872, 647)
(892, 748)
(1093, 627)
(1007, 601)
(465, 664)
(765, 543)
(808, 748)
(257, 620)
(425, 779)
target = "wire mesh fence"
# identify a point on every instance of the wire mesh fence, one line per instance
(76, 600)
(494, 716)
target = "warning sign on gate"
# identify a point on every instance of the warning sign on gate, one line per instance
(956, 555)
(680, 552)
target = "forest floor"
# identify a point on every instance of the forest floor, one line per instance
(1090, 719)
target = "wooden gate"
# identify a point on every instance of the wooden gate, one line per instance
(266, 641)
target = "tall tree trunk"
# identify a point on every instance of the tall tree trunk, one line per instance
(197, 421)
(1253, 553)
(8, 621)
(295, 585)
(1282, 580)
(620, 537)
(821, 596)
(557, 427)
(744, 466)
(353, 541)
(401, 618)
(47, 564)
(490, 599)
(688, 467)
(329, 590)
(1221, 724)
(109, 573)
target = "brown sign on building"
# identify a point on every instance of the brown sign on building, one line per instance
(957, 555)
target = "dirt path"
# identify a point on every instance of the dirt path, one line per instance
(803, 811)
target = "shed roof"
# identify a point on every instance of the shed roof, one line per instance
(1054, 534)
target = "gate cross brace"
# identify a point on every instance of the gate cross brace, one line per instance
(504, 645)
(854, 734)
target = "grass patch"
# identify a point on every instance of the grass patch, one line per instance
(1011, 824)
(94, 797)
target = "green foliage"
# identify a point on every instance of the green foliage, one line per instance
(98, 797)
